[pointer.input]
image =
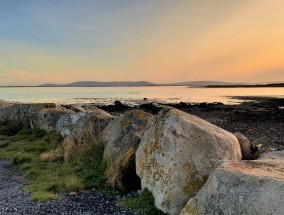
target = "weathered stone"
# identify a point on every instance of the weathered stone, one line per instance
(16, 112)
(41, 116)
(121, 139)
(248, 187)
(248, 149)
(47, 118)
(84, 126)
(22, 112)
(177, 154)
(276, 155)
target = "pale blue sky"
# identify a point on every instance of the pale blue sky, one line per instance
(155, 40)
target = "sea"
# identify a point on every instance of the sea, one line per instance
(133, 95)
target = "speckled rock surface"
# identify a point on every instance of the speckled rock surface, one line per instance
(23, 112)
(247, 187)
(85, 126)
(47, 118)
(123, 133)
(177, 154)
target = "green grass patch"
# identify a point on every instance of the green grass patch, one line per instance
(43, 196)
(11, 128)
(4, 144)
(47, 178)
(144, 203)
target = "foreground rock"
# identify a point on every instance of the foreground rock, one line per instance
(121, 139)
(26, 113)
(248, 187)
(177, 154)
(84, 126)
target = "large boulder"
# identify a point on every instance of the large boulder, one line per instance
(121, 139)
(248, 187)
(83, 126)
(47, 118)
(177, 154)
(22, 112)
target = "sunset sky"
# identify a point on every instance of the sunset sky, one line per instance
(162, 41)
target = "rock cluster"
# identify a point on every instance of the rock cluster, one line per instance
(190, 165)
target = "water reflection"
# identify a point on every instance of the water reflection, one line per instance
(132, 95)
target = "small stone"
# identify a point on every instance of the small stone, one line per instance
(73, 194)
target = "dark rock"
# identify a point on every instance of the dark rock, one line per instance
(248, 149)
(150, 108)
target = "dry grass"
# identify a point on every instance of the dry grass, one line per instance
(114, 176)
(53, 155)
(78, 141)
(73, 183)
(115, 169)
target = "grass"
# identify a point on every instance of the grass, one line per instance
(43, 196)
(144, 203)
(10, 129)
(49, 176)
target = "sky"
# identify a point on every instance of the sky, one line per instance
(161, 41)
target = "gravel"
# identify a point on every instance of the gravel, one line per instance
(15, 201)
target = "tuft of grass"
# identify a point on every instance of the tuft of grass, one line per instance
(144, 203)
(53, 155)
(73, 184)
(10, 128)
(88, 164)
(30, 135)
(53, 137)
(43, 196)
(21, 158)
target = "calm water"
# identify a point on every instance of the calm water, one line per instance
(132, 95)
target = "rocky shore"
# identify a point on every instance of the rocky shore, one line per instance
(188, 156)
(258, 118)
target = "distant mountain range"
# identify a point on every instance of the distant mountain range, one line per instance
(209, 84)
(135, 84)
(101, 84)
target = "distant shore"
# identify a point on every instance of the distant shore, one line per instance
(245, 86)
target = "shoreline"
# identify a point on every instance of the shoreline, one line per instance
(258, 118)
